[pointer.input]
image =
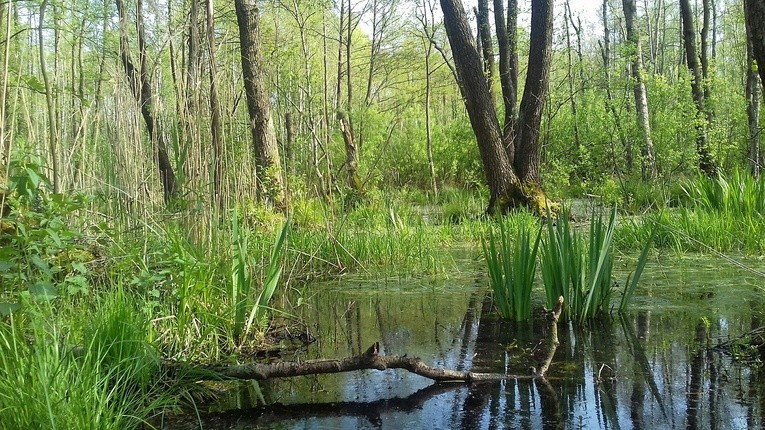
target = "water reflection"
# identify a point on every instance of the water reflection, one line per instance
(646, 370)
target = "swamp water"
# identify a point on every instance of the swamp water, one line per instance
(650, 368)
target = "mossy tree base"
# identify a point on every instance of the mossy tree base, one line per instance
(528, 194)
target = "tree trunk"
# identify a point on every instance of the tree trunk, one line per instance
(428, 131)
(527, 151)
(506, 187)
(754, 12)
(610, 104)
(289, 143)
(755, 155)
(49, 102)
(706, 163)
(648, 161)
(487, 46)
(508, 62)
(141, 87)
(372, 359)
(351, 154)
(705, 24)
(578, 168)
(340, 38)
(268, 166)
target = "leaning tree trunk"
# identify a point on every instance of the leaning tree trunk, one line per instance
(268, 167)
(511, 182)
(641, 99)
(141, 87)
(706, 163)
(754, 12)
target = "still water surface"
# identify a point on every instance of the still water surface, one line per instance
(649, 369)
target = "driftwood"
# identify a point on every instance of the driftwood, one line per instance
(371, 359)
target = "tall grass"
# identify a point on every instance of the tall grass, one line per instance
(719, 215)
(740, 195)
(58, 375)
(512, 266)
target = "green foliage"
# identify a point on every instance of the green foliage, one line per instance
(740, 196)
(103, 375)
(42, 254)
(512, 267)
(722, 214)
(242, 291)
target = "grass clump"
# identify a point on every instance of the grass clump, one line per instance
(512, 268)
(100, 375)
(580, 269)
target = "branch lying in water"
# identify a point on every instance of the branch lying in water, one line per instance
(371, 359)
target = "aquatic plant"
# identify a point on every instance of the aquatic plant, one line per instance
(242, 283)
(580, 270)
(511, 269)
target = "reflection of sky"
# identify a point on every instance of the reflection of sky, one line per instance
(651, 358)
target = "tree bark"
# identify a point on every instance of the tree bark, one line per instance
(508, 62)
(487, 45)
(371, 359)
(49, 102)
(648, 161)
(527, 151)
(610, 104)
(351, 154)
(705, 24)
(289, 143)
(755, 156)
(572, 94)
(754, 13)
(706, 164)
(497, 166)
(141, 86)
(268, 166)
(428, 127)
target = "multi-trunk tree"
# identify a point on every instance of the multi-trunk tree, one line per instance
(511, 160)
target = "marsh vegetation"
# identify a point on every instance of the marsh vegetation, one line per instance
(188, 184)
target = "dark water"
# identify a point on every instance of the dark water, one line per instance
(649, 369)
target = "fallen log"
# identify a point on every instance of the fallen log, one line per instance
(373, 360)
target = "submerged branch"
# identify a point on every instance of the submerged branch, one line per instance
(372, 360)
